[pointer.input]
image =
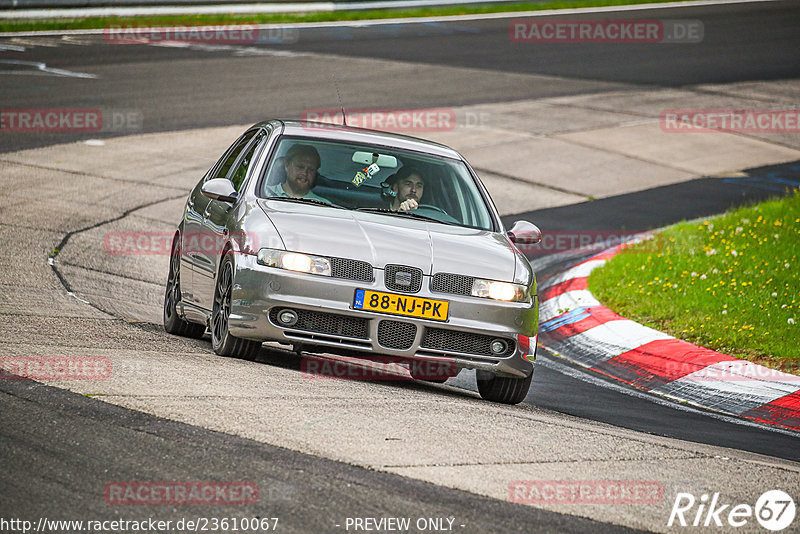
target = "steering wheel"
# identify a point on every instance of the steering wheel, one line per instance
(431, 207)
(444, 217)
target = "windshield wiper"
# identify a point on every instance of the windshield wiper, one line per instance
(410, 214)
(306, 201)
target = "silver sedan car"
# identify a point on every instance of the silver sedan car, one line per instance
(342, 240)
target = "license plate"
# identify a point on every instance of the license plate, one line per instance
(406, 305)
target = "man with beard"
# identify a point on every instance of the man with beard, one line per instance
(408, 185)
(300, 163)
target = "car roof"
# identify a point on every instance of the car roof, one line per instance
(361, 135)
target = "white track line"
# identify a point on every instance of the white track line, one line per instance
(39, 67)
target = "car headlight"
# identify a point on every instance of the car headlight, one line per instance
(491, 289)
(294, 261)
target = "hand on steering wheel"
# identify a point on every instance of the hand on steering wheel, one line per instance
(408, 205)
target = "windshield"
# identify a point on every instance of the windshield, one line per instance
(390, 182)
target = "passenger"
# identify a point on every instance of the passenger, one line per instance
(408, 185)
(300, 163)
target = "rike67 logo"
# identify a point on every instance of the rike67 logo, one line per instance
(774, 510)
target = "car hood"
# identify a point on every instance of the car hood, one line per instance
(385, 239)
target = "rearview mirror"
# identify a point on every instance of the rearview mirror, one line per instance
(524, 233)
(368, 158)
(219, 189)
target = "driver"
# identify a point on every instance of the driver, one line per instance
(408, 185)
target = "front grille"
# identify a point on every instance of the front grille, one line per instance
(396, 334)
(325, 323)
(452, 283)
(351, 269)
(403, 278)
(466, 342)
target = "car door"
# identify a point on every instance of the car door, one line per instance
(216, 216)
(195, 258)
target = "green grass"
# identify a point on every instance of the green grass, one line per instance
(11, 25)
(730, 283)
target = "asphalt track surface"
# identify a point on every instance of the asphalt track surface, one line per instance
(219, 96)
(57, 464)
(189, 88)
(194, 87)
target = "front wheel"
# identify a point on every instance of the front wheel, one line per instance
(222, 341)
(504, 389)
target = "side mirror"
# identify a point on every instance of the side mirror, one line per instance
(525, 233)
(219, 189)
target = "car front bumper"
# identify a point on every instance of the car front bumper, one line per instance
(328, 319)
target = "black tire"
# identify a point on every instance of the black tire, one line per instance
(173, 323)
(505, 390)
(222, 341)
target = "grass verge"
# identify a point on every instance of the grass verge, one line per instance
(729, 283)
(78, 23)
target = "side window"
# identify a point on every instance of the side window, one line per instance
(232, 154)
(239, 174)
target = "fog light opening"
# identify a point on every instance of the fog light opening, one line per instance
(499, 346)
(287, 317)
